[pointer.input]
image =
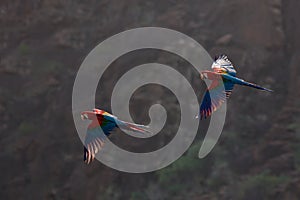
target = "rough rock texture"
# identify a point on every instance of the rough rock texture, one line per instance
(43, 42)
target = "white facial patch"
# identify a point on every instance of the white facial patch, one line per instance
(215, 65)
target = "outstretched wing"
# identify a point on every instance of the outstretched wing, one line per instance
(93, 143)
(96, 135)
(223, 62)
(214, 96)
(100, 128)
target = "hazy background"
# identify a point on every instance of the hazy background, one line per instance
(42, 44)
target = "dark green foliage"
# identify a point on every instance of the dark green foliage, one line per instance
(138, 196)
(259, 186)
(24, 49)
(27, 127)
(186, 172)
(111, 193)
(297, 157)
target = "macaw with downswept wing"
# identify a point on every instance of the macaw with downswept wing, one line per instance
(102, 124)
(223, 73)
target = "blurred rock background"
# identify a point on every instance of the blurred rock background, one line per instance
(42, 44)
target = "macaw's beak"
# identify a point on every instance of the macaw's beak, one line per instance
(84, 116)
(203, 76)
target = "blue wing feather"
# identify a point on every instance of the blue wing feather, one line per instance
(214, 98)
(100, 128)
(96, 137)
(94, 141)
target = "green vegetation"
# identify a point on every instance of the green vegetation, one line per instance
(51, 66)
(23, 49)
(138, 196)
(294, 127)
(45, 74)
(297, 157)
(110, 193)
(217, 172)
(259, 186)
(27, 127)
(185, 172)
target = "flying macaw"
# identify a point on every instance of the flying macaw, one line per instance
(103, 123)
(223, 72)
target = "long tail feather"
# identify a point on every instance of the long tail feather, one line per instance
(239, 81)
(256, 86)
(134, 127)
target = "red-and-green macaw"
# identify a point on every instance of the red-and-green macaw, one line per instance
(223, 72)
(103, 123)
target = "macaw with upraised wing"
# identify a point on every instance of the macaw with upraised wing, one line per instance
(101, 126)
(223, 73)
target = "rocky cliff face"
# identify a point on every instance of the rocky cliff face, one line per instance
(42, 44)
